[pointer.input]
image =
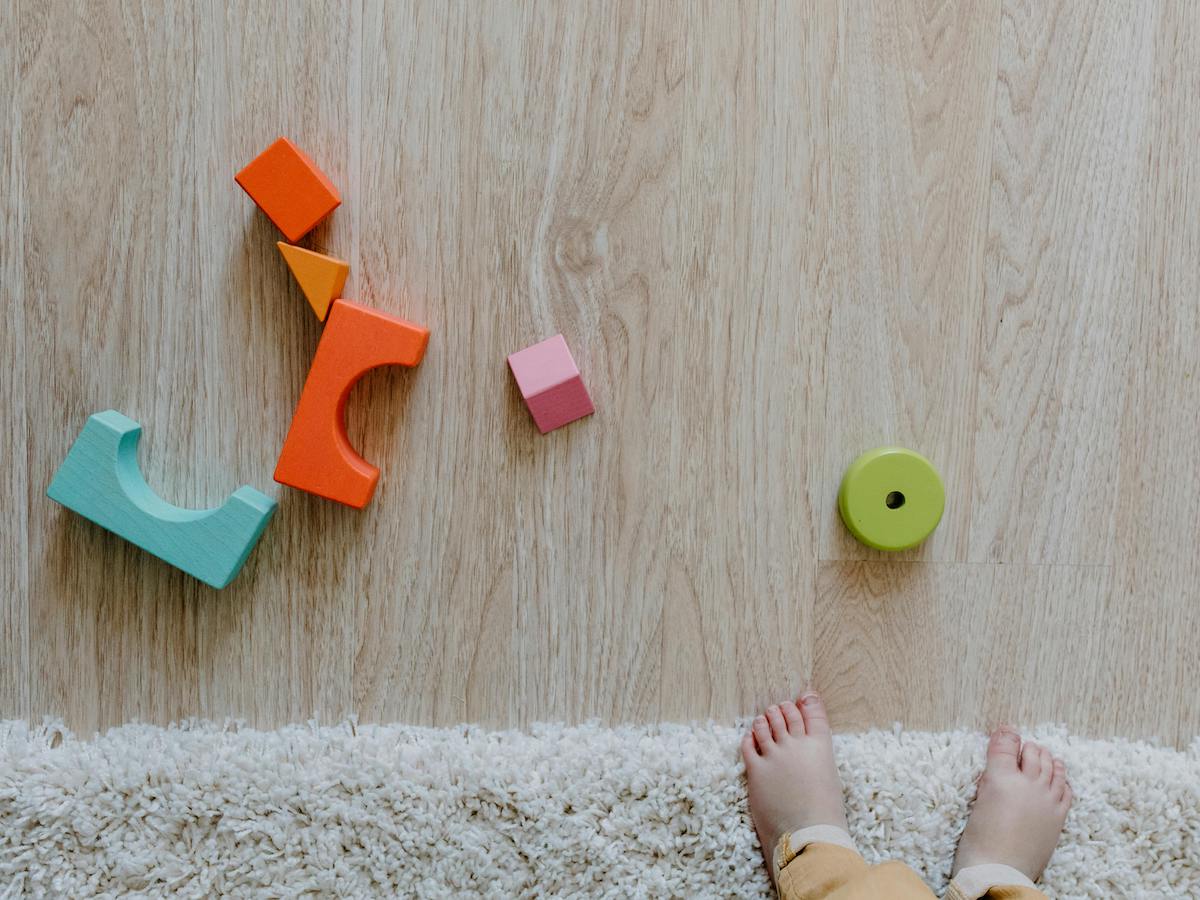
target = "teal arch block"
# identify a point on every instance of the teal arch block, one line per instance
(100, 479)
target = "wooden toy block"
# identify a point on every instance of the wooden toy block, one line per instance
(551, 384)
(100, 479)
(289, 188)
(317, 456)
(321, 277)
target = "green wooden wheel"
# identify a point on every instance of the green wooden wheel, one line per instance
(891, 498)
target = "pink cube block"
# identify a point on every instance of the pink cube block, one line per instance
(550, 383)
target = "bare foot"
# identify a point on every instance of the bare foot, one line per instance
(793, 779)
(1020, 807)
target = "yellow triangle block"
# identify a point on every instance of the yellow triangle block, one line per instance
(321, 277)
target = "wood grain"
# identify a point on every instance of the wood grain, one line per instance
(975, 645)
(1073, 90)
(913, 96)
(14, 577)
(272, 647)
(1157, 496)
(773, 235)
(110, 261)
(742, 398)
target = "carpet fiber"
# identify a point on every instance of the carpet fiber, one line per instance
(652, 811)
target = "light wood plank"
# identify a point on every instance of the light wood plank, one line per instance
(435, 557)
(970, 645)
(14, 488)
(589, 574)
(1156, 603)
(527, 198)
(911, 152)
(277, 645)
(744, 394)
(1074, 85)
(106, 130)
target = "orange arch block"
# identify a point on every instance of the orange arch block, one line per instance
(317, 456)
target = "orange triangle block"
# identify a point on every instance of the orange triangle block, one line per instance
(321, 277)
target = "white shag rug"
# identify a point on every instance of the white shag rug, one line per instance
(651, 811)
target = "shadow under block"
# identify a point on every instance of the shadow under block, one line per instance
(321, 277)
(317, 456)
(289, 188)
(551, 384)
(100, 479)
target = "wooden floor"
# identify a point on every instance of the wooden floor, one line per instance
(774, 236)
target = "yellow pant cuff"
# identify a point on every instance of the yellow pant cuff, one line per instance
(974, 881)
(792, 843)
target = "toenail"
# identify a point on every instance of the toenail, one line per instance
(809, 699)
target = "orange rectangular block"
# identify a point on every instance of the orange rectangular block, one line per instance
(317, 456)
(289, 188)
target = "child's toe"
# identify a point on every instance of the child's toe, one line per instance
(778, 726)
(816, 719)
(1047, 772)
(1004, 749)
(762, 734)
(791, 715)
(1031, 760)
